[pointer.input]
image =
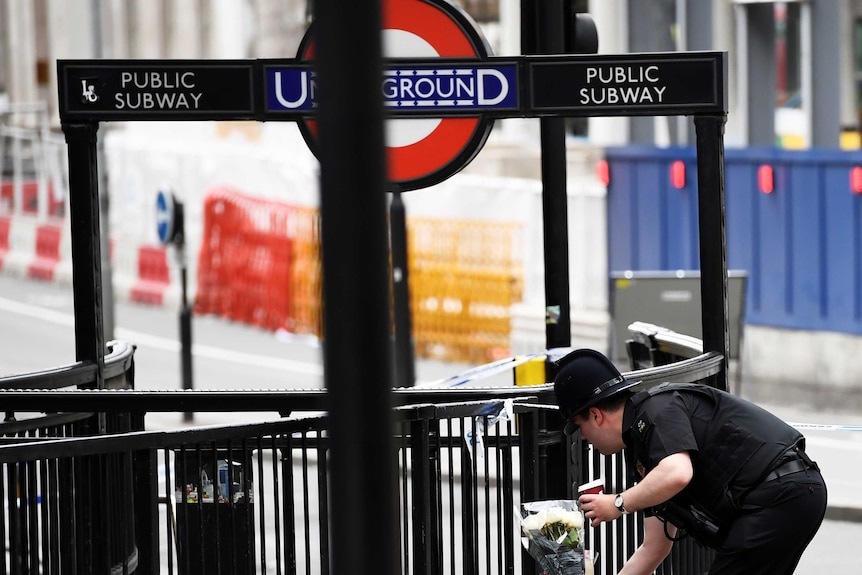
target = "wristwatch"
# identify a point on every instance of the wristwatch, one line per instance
(618, 503)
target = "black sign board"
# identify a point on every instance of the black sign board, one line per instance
(157, 89)
(658, 84)
(661, 83)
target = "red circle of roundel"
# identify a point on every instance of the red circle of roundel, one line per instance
(454, 142)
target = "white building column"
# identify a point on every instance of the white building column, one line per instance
(20, 24)
(147, 32)
(611, 17)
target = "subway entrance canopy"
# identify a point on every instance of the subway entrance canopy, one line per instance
(678, 83)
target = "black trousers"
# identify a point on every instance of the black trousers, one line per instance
(778, 520)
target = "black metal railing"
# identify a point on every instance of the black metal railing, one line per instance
(252, 498)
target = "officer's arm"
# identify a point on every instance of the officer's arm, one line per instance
(652, 551)
(665, 480)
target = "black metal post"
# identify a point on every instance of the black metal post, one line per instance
(543, 33)
(713, 237)
(86, 252)
(405, 374)
(357, 333)
(186, 336)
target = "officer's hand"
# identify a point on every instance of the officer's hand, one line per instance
(598, 508)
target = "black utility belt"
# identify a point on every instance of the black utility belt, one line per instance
(786, 468)
(800, 462)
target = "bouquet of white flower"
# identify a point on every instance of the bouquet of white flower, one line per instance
(552, 532)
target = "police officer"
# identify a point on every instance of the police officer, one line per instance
(729, 473)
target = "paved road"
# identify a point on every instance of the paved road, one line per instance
(38, 333)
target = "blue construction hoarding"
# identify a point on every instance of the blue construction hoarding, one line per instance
(794, 224)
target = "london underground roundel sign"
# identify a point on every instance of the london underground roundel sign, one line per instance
(421, 152)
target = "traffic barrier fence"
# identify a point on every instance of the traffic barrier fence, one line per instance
(259, 263)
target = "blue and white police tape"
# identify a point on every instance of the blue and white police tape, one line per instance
(493, 368)
(824, 426)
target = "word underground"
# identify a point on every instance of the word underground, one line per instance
(469, 87)
(622, 85)
(167, 91)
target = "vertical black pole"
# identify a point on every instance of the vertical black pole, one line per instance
(405, 375)
(549, 16)
(86, 252)
(357, 334)
(179, 241)
(186, 333)
(713, 237)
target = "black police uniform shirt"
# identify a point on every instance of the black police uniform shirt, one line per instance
(733, 443)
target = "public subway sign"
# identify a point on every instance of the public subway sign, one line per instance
(157, 89)
(441, 109)
(662, 83)
(629, 84)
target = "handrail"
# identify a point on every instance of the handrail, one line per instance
(287, 401)
(668, 340)
(117, 362)
(49, 448)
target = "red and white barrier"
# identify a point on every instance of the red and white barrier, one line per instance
(42, 250)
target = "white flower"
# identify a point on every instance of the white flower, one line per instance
(571, 519)
(536, 521)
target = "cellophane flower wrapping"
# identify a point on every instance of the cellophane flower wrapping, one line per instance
(552, 532)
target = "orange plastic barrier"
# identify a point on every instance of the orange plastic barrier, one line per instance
(464, 276)
(247, 268)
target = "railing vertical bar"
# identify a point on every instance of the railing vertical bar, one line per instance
(529, 465)
(234, 543)
(421, 500)
(408, 479)
(323, 503)
(14, 520)
(184, 550)
(69, 526)
(305, 504)
(498, 494)
(452, 525)
(214, 546)
(6, 515)
(169, 510)
(31, 504)
(435, 490)
(261, 504)
(468, 501)
(487, 493)
(101, 547)
(44, 522)
(508, 507)
(199, 504)
(276, 504)
(289, 507)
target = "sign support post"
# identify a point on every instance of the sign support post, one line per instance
(405, 370)
(709, 132)
(86, 253)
